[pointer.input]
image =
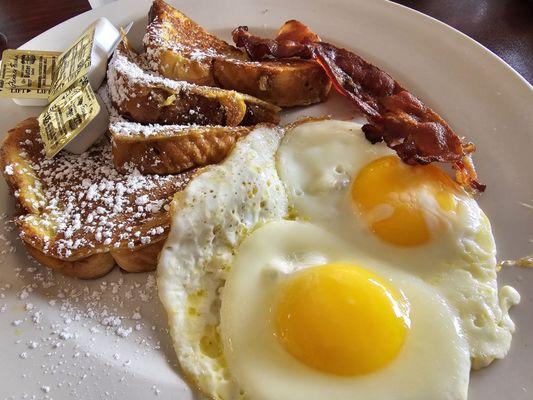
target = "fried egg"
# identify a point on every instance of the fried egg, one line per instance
(413, 217)
(209, 219)
(323, 321)
(382, 286)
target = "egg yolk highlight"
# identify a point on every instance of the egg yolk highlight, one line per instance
(340, 319)
(397, 199)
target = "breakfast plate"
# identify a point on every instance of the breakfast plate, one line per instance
(108, 338)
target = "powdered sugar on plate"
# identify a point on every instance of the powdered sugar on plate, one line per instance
(69, 338)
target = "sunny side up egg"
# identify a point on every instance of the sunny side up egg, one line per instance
(413, 217)
(385, 288)
(322, 321)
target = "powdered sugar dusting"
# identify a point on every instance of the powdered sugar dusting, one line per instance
(89, 205)
(157, 40)
(80, 339)
(172, 31)
(127, 64)
(134, 129)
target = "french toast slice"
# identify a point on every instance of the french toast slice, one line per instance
(143, 97)
(77, 214)
(170, 149)
(178, 48)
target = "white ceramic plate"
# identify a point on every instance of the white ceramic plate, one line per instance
(59, 338)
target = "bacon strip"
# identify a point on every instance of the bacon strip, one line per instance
(416, 132)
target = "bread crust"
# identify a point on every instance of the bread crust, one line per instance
(90, 267)
(20, 153)
(178, 48)
(142, 97)
(284, 83)
(140, 260)
(98, 265)
(171, 149)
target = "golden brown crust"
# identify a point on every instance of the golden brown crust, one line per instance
(141, 260)
(286, 84)
(144, 98)
(180, 49)
(47, 191)
(98, 265)
(171, 150)
(90, 267)
(167, 25)
(28, 200)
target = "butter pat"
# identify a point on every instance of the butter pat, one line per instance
(26, 75)
(90, 134)
(75, 117)
(73, 64)
(102, 37)
(69, 115)
(105, 40)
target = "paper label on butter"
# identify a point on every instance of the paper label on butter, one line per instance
(73, 63)
(67, 116)
(27, 73)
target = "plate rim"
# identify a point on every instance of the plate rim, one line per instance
(379, 3)
(510, 74)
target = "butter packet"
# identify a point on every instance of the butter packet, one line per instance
(72, 64)
(74, 111)
(69, 113)
(27, 73)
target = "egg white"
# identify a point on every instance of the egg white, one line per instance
(208, 221)
(434, 362)
(317, 162)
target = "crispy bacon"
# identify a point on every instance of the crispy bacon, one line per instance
(416, 132)
(290, 42)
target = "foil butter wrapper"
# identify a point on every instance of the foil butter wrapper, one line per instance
(26, 75)
(73, 64)
(77, 111)
(66, 82)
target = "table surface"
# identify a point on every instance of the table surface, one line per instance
(504, 26)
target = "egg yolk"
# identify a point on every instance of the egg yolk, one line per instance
(397, 199)
(340, 319)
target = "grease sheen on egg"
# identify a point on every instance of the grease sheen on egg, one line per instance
(209, 219)
(341, 319)
(277, 255)
(225, 245)
(413, 217)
